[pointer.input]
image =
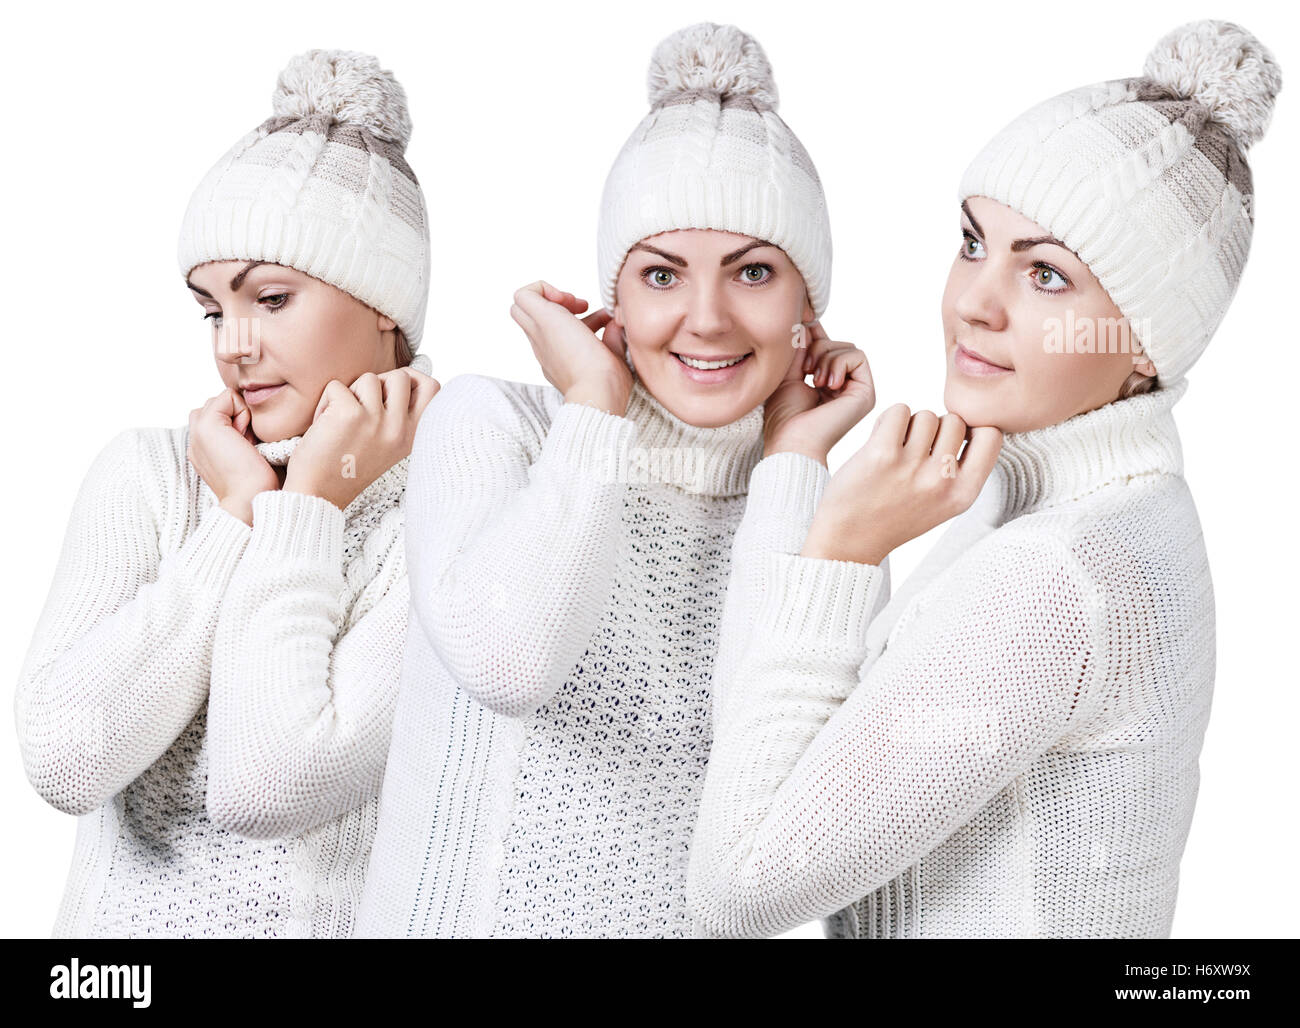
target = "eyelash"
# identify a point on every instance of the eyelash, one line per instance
(1044, 266)
(771, 274)
(284, 297)
(965, 238)
(1037, 266)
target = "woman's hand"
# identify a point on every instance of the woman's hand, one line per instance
(798, 418)
(359, 432)
(906, 479)
(221, 448)
(584, 368)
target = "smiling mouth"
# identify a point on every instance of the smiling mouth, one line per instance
(971, 355)
(703, 364)
(255, 394)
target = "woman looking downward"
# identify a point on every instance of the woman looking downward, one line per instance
(211, 683)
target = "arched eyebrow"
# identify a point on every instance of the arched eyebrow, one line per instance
(671, 257)
(681, 261)
(1024, 244)
(736, 254)
(1016, 244)
(235, 282)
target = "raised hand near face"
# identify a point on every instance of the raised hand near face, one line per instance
(358, 432)
(221, 448)
(586, 369)
(811, 419)
(907, 478)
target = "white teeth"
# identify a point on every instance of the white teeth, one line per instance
(708, 365)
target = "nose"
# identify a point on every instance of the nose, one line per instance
(238, 340)
(981, 301)
(708, 313)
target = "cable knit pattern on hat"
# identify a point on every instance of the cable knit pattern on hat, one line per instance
(323, 186)
(567, 574)
(1010, 747)
(714, 154)
(1146, 180)
(294, 623)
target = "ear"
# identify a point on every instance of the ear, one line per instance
(1145, 367)
(617, 312)
(386, 324)
(808, 313)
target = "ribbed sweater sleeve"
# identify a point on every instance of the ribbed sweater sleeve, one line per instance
(301, 706)
(119, 661)
(511, 552)
(784, 490)
(832, 773)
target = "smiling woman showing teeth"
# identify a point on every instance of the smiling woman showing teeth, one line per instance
(570, 544)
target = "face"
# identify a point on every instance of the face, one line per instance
(708, 319)
(1031, 336)
(305, 333)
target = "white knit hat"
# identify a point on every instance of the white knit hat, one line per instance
(713, 153)
(1146, 180)
(322, 186)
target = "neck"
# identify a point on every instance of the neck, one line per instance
(708, 461)
(1120, 442)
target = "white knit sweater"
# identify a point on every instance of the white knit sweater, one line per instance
(1010, 748)
(297, 625)
(567, 574)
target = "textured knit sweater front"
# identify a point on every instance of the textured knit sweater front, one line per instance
(1009, 748)
(214, 700)
(568, 568)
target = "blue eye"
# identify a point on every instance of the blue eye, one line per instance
(1044, 275)
(971, 248)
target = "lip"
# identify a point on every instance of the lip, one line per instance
(971, 363)
(716, 376)
(255, 393)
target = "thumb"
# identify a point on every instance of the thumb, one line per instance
(243, 413)
(226, 405)
(981, 454)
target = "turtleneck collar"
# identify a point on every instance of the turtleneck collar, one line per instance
(388, 485)
(1118, 442)
(708, 461)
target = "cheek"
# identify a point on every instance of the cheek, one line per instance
(321, 342)
(1090, 334)
(767, 330)
(649, 322)
(768, 316)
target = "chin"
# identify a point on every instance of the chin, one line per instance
(700, 404)
(971, 406)
(709, 411)
(269, 428)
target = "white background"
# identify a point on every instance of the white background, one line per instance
(115, 113)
